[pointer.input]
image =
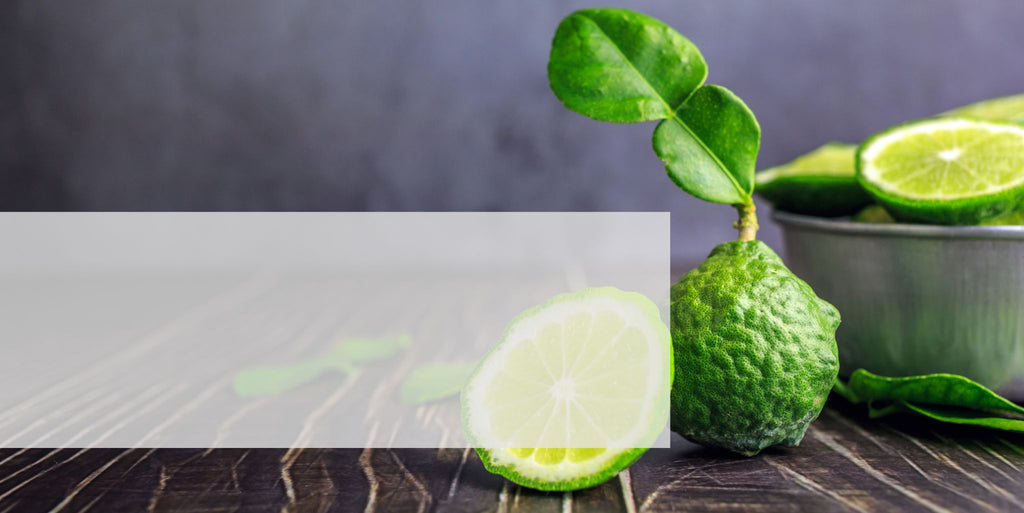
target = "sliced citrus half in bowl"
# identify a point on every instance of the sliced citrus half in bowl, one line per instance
(821, 183)
(946, 170)
(576, 390)
(1004, 108)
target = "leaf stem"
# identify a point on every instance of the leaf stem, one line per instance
(843, 390)
(747, 224)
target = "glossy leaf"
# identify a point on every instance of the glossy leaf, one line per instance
(962, 416)
(942, 397)
(710, 146)
(622, 66)
(434, 381)
(937, 389)
(969, 418)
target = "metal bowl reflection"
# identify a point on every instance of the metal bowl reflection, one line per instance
(917, 299)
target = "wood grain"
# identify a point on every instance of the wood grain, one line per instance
(846, 463)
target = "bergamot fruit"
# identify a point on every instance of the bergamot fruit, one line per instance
(754, 349)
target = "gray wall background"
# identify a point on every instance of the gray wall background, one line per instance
(443, 105)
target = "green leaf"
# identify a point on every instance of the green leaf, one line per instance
(622, 66)
(434, 381)
(265, 380)
(360, 351)
(840, 388)
(942, 397)
(710, 146)
(936, 389)
(970, 418)
(950, 415)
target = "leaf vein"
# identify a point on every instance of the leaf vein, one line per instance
(630, 63)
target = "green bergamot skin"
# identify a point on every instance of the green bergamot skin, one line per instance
(754, 349)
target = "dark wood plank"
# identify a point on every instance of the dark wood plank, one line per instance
(847, 462)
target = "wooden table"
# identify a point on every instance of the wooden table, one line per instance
(846, 462)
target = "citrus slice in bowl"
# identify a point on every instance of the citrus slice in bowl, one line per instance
(946, 170)
(821, 183)
(874, 214)
(576, 390)
(1005, 108)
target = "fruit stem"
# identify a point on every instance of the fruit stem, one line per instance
(747, 224)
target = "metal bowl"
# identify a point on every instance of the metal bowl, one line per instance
(917, 299)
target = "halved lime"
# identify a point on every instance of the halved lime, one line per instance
(946, 170)
(576, 390)
(1006, 108)
(822, 183)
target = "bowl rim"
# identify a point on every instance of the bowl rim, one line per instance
(848, 227)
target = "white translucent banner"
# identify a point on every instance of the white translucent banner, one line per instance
(284, 329)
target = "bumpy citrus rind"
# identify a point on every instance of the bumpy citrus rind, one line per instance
(755, 351)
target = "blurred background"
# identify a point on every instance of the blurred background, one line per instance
(442, 105)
